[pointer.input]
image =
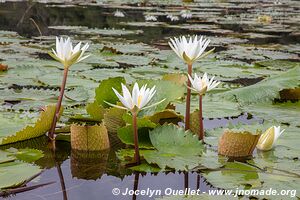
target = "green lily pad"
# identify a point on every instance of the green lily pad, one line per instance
(13, 174)
(13, 167)
(234, 175)
(12, 132)
(175, 148)
(104, 91)
(164, 90)
(266, 90)
(144, 126)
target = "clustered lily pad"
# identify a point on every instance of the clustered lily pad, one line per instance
(258, 81)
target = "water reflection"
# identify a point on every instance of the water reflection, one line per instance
(136, 184)
(89, 175)
(88, 165)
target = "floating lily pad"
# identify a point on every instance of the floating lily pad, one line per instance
(175, 148)
(13, 167)
(266, 90)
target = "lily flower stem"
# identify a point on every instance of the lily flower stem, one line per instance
(201, 131)
(136, 139)
(58, 105)
(188, 100)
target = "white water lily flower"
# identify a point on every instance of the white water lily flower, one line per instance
(204, 84)
(190, 49)
(150, 18)
(186, 14)
(173, 18)
(268, 139)
(136, 101)
(66, 53)
(119, 13)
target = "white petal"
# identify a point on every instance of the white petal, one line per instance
(122, 99)
(76, 48)
(127, 96)
(135, 94)
(121, 107)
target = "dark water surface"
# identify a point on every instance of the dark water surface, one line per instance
(94, 176)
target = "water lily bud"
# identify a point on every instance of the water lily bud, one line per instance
(268, 139)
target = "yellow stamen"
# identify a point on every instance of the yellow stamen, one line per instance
(203, 84)
(139, 100)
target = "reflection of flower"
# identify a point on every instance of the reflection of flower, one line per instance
(186, 14)
(119, 13)
(172, 17)
(269, 138)
(136, 101)
(150, 18)
(66, 54)
(189, 49)
(204, 84)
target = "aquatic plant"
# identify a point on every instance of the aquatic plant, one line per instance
(189, 50)
(201, 86)
(67, 55)
(134, 103)
(268, 139)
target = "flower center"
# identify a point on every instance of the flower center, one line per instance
(203, 84)
(139, 100)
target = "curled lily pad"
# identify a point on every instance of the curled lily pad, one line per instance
(38, 128)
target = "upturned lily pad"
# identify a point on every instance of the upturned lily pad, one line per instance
(12, 132)
(113, 119)
(95, 110)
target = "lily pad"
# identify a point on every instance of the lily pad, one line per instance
(175, 148)
(144, 126)
(12, 132)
